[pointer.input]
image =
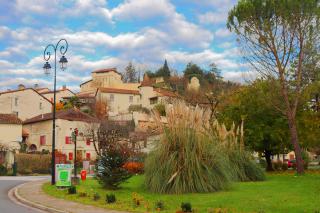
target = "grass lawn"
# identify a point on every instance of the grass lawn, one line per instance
(279, 193)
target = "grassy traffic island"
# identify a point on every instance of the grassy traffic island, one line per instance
(281, 192)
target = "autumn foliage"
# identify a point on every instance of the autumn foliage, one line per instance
(134, 167)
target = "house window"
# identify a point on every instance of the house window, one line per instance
(40, 106)
(130, 99)
(111, 97)
(42, 140)
(153, 100)
(68, 140)
(16, 101)
(70, 156)
(88, 156)
(88, 141)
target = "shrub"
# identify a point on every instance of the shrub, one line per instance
(306, 159)
(33, 163)
(109, 168)
(134, 167)
(72, 190)
(110, 198)
(284, 166)
(83, 194)
(96, 196)
(161, 109)
(138, 108)
(3, 170)
(137, 199)
(186, 207)
(197, 155)
(277, 165)
(159, 205)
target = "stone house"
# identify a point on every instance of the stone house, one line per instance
(24, 102)
(10, 137)
(39, 131)
(61, 94)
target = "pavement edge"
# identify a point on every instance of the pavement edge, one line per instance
(14, 193)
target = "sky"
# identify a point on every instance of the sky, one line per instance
(111, 33)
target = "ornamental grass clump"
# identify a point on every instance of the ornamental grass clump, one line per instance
(186, 159)
(197, 154)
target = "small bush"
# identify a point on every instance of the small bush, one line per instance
(138, 108)
(277, 165)
(186, 207)
(33, 163)
(96, 196)
(161, 109)
(3, 170)
(137, 199)
(285, 166)
(110, 198)
(159, 206)
(134, 167)
(83, 194)
(72, 190)
(109, 168)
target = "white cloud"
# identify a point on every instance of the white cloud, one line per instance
(212, 17)
(142, 9)
(222, 33)
(36, 6)
(241, 77)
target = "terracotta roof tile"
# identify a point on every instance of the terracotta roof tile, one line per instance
(163, 92)
(20, 90)
(120, 91)
(70, 115)
(9, 119)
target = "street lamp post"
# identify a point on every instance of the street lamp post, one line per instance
(62, 46)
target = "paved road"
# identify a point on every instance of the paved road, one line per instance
(8, 206)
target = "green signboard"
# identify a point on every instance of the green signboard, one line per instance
(63, 174)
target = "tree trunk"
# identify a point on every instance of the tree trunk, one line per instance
(267, 155)
(295, 143)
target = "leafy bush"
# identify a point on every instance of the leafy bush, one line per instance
(277, 165)
(137, 199)
(110, 198)
(109, 168)
(138, 108)
(159, 205)
(134, 167)
(83, 194)
(96, 196)
(33, 163)
(284, 166)
(306, 159)
(72, 190)
(186, 207)
(161, 109)
(3, 170)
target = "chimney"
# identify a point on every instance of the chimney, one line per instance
(21, 87)
(64, 87)
(36, 86)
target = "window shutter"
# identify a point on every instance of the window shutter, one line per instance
(70, 156)
(88, 156)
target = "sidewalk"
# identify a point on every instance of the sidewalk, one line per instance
(31, 194)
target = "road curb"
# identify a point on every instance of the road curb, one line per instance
(15, 193)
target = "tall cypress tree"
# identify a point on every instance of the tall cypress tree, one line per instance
(164, 71)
